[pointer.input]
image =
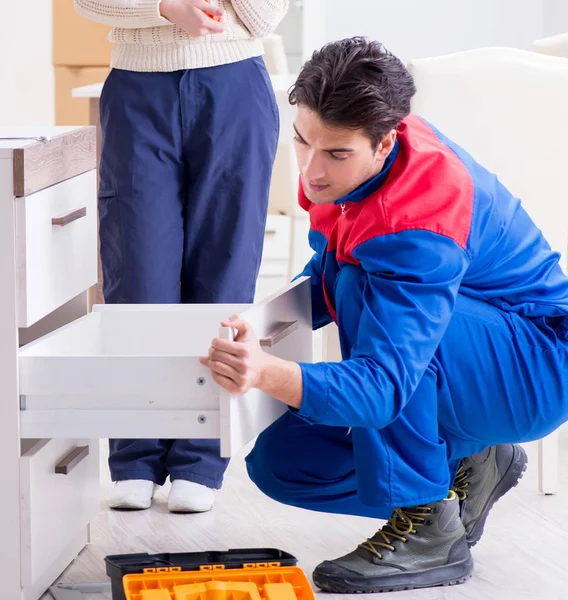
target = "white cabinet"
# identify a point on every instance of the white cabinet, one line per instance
(68, 377)
(47, 262)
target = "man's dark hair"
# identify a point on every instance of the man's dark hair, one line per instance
(356, 83)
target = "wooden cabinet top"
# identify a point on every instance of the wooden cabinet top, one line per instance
(45, 156)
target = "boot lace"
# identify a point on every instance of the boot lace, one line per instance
(403, 522)
(461, 483)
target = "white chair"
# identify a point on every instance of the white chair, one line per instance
(508, 108)
(556, 45)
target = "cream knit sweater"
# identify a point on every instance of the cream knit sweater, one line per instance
(144, 41)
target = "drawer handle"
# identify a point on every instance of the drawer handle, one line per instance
(269, 232)
(279, 332)
(71, 216)
(72, 460)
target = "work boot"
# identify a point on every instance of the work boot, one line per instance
(418, 547)
(482, 479)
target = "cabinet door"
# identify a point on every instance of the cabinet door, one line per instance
(133, 371)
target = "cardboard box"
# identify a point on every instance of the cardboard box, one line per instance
(69, 110)
(78, 41)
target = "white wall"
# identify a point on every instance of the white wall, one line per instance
(555, 17)
(26, 74)
(410, 28)
(419, 28)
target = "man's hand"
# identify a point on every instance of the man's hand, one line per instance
(237, 366)
(192, 16)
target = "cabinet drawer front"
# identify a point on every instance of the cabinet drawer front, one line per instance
(55, 507)
(56, 238)
(134, 372)
(277, 238)
(242, 418)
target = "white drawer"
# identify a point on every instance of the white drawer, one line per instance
(277, 240)
(56, 507)
(133, 371)
(56, 239)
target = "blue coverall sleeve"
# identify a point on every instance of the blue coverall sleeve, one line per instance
(320, 312)
(411, 283)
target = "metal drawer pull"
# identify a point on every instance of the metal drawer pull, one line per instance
(278, 333)
(74, 215)
(270, 232)
(37, 138)
(72, 460)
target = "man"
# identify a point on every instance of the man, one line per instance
(453, 317)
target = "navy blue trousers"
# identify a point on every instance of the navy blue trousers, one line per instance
(495, 378)
(185, 172)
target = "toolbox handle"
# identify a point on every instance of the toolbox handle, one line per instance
(74, 457)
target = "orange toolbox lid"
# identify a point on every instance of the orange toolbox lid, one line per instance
(255, 581)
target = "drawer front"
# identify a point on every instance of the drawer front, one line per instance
(133, 371)
(56, 238)
(277, 240)
(60, 495)
(284, 324)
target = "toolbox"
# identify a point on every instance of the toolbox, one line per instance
(247, 574)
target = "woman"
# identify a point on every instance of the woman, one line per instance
(189, 132)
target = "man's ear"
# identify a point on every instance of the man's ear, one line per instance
(386, 145)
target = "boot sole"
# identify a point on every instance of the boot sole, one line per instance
(510, 479)
(447, 575)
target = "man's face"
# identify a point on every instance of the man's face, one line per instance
(334, 161)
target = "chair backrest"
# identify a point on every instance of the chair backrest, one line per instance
(509, 109)
(556, 45)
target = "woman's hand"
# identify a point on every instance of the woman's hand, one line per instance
(193, 16)
(237, 366)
